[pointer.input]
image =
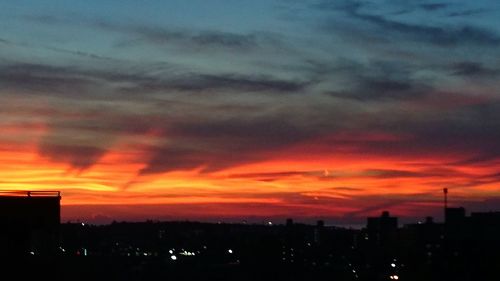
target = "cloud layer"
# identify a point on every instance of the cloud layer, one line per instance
(358, 104)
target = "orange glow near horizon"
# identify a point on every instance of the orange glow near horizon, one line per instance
(305, 184)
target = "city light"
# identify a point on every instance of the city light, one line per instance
(230, 251)
(187, 253)
(393, 265)
(173, 257)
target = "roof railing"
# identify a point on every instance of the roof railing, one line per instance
(30, 193)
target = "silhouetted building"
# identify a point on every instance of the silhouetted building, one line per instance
(486, 218)
(382, 229)
(423, 242)
(486, 226)
(318, 231)
(454, 215)
(320, 223)
(30, 222)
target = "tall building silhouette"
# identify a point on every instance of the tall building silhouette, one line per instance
(382, 229)
(454, 215)
(30, 223)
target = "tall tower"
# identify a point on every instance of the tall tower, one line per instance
(445, 193)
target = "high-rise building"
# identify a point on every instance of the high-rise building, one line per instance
(30, 222)
(454, 215)
(382, 229)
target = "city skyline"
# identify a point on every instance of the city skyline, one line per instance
(206, 110)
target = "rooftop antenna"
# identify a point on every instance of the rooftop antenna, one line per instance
(445, 192)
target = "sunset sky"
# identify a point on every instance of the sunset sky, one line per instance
(255, 110)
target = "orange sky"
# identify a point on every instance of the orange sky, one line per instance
(293, 182)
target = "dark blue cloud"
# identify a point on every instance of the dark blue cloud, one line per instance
(217, 144)
(473, 69)
(391, 28)
(74, 82)
(469, 12)
(368, 89)
(434, 6)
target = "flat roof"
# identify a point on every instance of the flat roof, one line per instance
(30, 193)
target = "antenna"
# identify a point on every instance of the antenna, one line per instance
(445, 192)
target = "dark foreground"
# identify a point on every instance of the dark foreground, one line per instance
(463, 249)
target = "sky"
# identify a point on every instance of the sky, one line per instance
(251, 110)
